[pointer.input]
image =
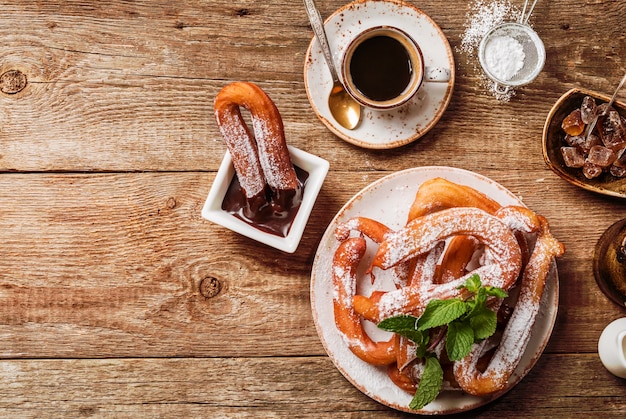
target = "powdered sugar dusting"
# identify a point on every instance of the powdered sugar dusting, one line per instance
(521, 323)
(343, 230)
(244, 151)
(393, 303)
(260, 156)
(344, 294)
(423, 234)
(273, 155)
(504, 56)
(426, 267)
(483, 17)
(518, 330)
(511, 347)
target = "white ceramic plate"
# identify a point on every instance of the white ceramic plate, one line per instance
(382, 129)
(388, 201)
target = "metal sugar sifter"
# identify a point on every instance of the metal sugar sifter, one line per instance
(512, 54)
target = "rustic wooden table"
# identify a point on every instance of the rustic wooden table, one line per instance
(108, 148)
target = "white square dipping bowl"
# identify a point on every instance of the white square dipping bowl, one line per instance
(317, 169)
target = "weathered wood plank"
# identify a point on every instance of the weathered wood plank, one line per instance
(130, 86)
(267, 387)
(114, 262)
(107, 155)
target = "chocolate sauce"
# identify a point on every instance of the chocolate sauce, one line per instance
(381, 68)
(273, 213)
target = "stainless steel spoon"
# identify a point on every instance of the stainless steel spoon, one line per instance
(345, 110)
(593, 123)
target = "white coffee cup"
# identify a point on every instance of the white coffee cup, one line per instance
(612, 347)
(383, 68)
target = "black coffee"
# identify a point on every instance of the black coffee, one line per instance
(381, 68)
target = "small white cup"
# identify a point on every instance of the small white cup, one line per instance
(612, 347)
(372, 82)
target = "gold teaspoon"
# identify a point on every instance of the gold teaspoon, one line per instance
(345, 110)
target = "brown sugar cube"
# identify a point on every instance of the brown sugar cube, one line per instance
(601, 156)
(574, 140)
(612, 130)
(573, 156)
(572, 124)
(620, 161)
(617, 171)
(584, 143)
(588, 110)
(590, 141)
(591, 170)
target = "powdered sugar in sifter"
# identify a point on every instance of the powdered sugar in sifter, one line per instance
(512, 54)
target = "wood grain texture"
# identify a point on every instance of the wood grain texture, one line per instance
(274, 387)
(107, 156)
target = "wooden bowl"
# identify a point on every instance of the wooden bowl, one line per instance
(553, 135)
(609, 263)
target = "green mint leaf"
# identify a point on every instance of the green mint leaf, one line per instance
(484, 323)
(459, 340)
(477, 303)
(421, 350)
(398, 323)
(405, 325)
(421, 339)
(429, 385)
(496, 292)
(472, 284)
(441, 312)
(468, 321)
(481, 296)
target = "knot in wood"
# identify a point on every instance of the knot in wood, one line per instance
(171, 202)
(12, 81)
(210, 287)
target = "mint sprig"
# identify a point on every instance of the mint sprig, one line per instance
(466, 321)
(428, 390)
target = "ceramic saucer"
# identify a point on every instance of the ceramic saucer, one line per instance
(382, 129)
